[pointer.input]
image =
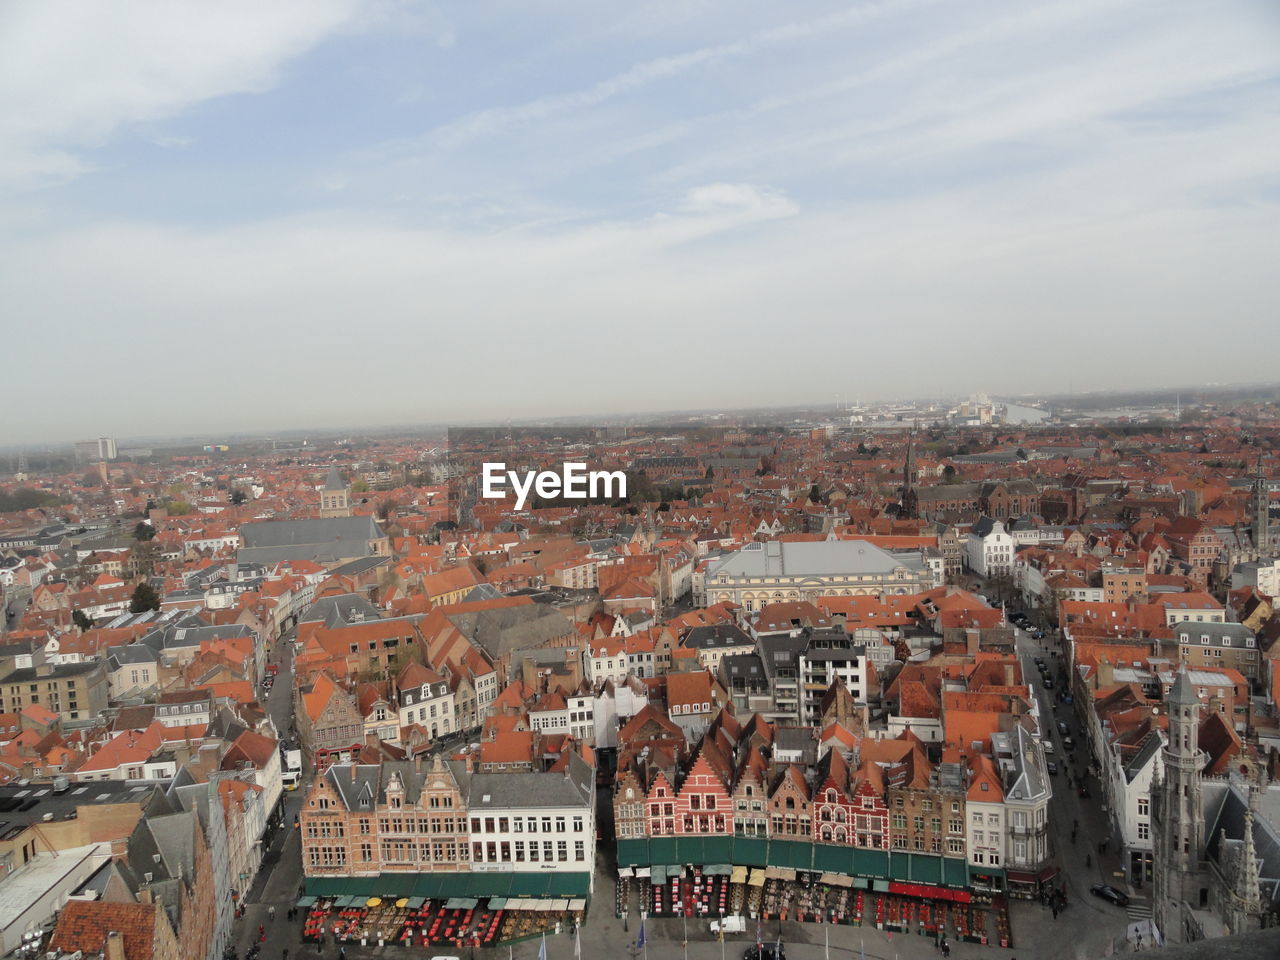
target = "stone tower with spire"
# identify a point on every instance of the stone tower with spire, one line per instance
(335, 497)
(1178, 812)
(1261, 515)
(909, 473)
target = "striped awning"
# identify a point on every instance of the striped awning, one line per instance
(757, 878)
(739, 875)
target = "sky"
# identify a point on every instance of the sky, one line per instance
(250, 216)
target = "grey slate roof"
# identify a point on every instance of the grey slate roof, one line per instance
(320, 539)
(805, 559)
(717, 636)
(342, 610)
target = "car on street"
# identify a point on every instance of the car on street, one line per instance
(1111, 894)
(1048, 683)
(1048, 747)
(1068, 743)
(1063, 728)
(1053, 768)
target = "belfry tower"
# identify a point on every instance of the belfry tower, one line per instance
(1178, 810)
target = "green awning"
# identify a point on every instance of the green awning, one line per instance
(664, 850)
(829, 858)
(955, 872)
(633, 853)
(791, 854)
(690, 850)
(345, 901)
(915, 868)
(460, 903)
(870, 863)
(717, 870)
(750, 851)
(415, 902)
(305, 902)
(657, 874)
(497, 903)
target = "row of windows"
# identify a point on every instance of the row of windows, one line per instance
(516, 851)
(523, 824)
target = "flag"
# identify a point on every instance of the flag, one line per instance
(720, 932)
(577, 942)
(862, 950)
(639, 939)
(542, 950)
(759, 934)
(826, 944)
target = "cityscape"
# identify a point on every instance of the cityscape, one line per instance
(596, 480)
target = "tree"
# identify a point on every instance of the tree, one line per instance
(238, 497)
(144, 598)
(815, 494)
(948, 474)
(81, 620)
(143, 532)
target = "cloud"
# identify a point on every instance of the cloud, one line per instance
(438, 325)
(499, 119)
(73, 73)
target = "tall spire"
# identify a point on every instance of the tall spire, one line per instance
(1261, 513)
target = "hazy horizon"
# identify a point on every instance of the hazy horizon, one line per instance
(231, 218)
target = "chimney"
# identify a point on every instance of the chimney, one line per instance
(470, 763)
(353, 770)
(972, 640)
(417, 764)
(115, 946)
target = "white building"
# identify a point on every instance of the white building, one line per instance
(1027, 792)
(426, 699)
(989, 549)
(530, 822)
(1262, 575)
(771, 572)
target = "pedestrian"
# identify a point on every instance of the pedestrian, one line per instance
(271, 912)
(342, 953)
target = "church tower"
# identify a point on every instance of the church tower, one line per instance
(335, 498)
(1179, 812)
(909, 474)
(1261, 515)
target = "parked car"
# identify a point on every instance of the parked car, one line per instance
(1048, 683)
(1068, 743)
(733, 924)
(1105, 892)
(1048, 747)
(1053, 768)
